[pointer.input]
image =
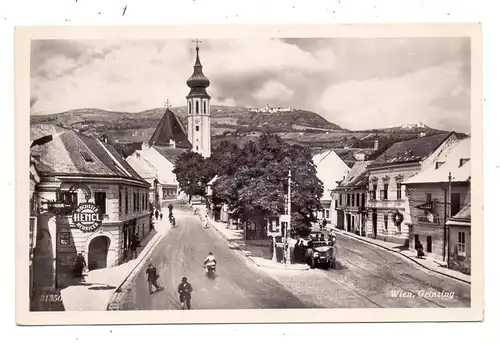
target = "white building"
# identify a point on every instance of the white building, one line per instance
(330, 169)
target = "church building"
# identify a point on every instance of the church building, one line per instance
(156, 160)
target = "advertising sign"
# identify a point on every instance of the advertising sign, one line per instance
(87, 217)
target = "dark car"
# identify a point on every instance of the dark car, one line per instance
(321, 252)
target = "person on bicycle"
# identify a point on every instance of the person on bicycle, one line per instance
(185, 290)
(210, 260)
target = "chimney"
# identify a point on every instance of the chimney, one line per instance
(145, 146)
(172, 143)
(375, 145)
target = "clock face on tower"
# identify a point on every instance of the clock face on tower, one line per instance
(197, 120)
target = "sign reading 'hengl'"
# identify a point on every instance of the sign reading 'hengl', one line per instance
(87, 217)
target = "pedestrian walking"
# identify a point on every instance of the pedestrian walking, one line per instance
(420, 249)
(170, 208)
(79, 265)
(135, 243)
(185, 290)
(153, 276)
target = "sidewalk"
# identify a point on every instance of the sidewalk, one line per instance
(427, 263)
(99, 286)
(257, 254)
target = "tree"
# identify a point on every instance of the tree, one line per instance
(253, 181)
(192, 173)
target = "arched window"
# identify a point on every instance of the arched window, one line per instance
(205, 106)
(197, 107)
(189, 105)
(196, 148)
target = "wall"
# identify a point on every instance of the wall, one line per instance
(387, 207)
(421, 225)
(462, 264)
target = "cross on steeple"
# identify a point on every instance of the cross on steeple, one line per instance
(197, 41)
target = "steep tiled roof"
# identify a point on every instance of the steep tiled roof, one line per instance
(455, 162)
(413, 150)
(357, 176)
(170, 154)
(71, 153)
(169, 128)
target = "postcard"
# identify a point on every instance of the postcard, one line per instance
(249, 174)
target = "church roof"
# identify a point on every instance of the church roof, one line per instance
(169, 128)
(170, 154)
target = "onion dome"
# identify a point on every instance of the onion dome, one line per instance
(198, 82)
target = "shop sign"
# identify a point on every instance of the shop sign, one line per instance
(64, 238)
(427, 206)
(87, 217)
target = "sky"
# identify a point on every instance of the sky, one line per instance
(357, 83)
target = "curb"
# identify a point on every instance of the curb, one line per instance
(247, 256)
(400, 254)
(112, 306)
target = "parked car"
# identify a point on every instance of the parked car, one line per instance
(321, 252)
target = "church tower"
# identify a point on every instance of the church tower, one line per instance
(198, 105)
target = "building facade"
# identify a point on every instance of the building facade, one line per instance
(389, 216)
(350, 200)
(198, 104)
(460, 239)
(75, 169)
(437, 194)
(330, 168)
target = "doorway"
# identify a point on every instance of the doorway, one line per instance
(429, 244)
(374, 223)
(98, 252)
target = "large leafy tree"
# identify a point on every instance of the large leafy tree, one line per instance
(253, 181)
(192, 173)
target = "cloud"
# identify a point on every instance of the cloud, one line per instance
(395, 101)
(274, 91)
(337, 78)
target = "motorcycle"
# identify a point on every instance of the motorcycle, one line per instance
(210, 269)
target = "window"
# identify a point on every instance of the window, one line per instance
(336, 203)
(386, 222)
(383, 193)
(463, 161)
(439, 164)
(120, 206)
(455, 203)
(126, 200)
(398, 191)
(327, 213)
(204, 107)
(100, 201)
(374, 193)
(197, 107)
(189, 105)
(340, 199)
(86, 156)
(197, 128)
(461, 244)
(196, 148)
(363, 200)
(323, 213)
(357, 199)
(348, 199)
(428, 197)
(68, 198)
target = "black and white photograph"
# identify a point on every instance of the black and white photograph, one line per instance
(194, 174)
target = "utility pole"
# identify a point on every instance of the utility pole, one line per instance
(289, 218)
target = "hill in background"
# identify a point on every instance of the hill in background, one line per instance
(128, 130)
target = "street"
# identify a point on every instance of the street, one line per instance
(238, 284)
(366, 276)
